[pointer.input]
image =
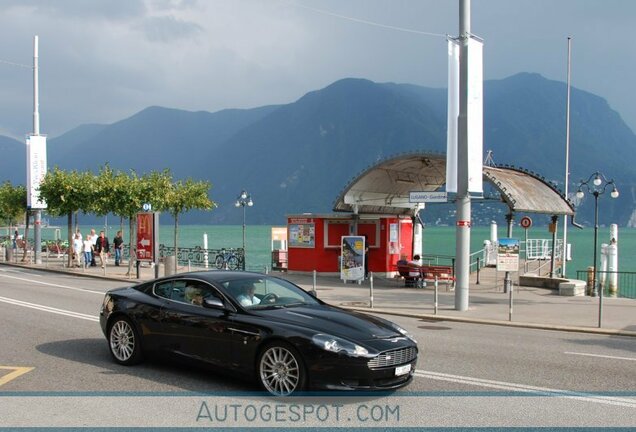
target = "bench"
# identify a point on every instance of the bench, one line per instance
(415, 275)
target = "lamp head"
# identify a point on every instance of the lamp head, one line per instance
(250, 203)
(243, 195)
(237, 204)
(579, 194)
(597, 180)
(614, 193)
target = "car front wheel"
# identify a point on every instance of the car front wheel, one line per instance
(280, 369)
(123, 341)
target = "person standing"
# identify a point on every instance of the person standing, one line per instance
(77, 249)
(88, 250)
(102, 247)
(118, 243)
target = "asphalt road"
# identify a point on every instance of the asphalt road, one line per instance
(53, 353)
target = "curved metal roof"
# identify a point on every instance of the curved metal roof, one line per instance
(384, 187)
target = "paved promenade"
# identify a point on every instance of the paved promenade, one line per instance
(532, 307)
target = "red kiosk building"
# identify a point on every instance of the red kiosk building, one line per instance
(314, 241)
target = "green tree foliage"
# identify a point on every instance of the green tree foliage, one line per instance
(184, 196)
(67, 192)
(13, 201)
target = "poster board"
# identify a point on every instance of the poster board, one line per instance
(352, 258)
(508, 255)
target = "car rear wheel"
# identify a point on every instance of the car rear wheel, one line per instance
(123, 341)
(280, 369)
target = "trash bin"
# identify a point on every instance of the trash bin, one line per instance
(9, 254)
(170, 265)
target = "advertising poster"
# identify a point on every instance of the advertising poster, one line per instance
(508, 255)
(352, 253)
(302, 235)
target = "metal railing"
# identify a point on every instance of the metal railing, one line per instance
(224, 258)
(613, 283)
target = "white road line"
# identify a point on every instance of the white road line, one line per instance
(502, 385)
(52, 284)
(601, 355)
(49, 309)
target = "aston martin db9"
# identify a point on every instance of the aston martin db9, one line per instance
(258, 326)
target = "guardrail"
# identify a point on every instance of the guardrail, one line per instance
(613, 283)
(224, 258)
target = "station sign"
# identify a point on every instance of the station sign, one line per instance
(424, 197)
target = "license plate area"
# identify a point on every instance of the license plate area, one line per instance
(402, 370)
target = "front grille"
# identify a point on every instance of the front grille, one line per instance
(392, 358)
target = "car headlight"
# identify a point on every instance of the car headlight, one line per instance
(339, 345)
(404, 332)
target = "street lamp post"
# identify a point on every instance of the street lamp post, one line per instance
(244, 199)
(596, 185)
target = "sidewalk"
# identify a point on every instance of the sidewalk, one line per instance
(532, 307)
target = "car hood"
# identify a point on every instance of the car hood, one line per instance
(334, 321)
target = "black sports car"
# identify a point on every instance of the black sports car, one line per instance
(260, 326)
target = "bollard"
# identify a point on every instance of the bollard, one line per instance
(138, 269)
(266, 269)
(436, 293)
(478, 267)
(314, 283)
(189, 268)
(371, 288)
(510, 301)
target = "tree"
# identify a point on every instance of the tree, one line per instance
(129, 192)
(185, 196)
(65, 193)
(13, 202)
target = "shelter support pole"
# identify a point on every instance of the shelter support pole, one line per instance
(554, 257)
(507, 279)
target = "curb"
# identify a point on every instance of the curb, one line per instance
(519, 324)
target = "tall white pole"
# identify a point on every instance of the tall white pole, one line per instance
(567, 163)
(37, 229)
(462, 250)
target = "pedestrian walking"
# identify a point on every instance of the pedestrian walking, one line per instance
(77, 250)
(94, 240)
(102, 247)
(118, 243)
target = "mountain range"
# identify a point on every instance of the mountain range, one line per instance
(298, 157)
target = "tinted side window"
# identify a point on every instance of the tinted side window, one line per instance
(163, 289)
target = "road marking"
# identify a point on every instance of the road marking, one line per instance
(17, 371)
(52, 284)
(502, 385)
(49, 309)
(601, 355)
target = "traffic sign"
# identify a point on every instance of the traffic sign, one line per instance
(525, 222)
(147, 207)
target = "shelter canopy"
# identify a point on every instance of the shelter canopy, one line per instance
(384, 187)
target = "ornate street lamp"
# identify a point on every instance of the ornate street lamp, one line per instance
(244, 199)
(596, 185)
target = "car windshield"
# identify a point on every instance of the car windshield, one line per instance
(264, 292)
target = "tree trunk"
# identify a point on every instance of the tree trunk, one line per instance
(133, 251)
(176, 236)
(71, 243)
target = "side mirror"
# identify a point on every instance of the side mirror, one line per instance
(213, 303)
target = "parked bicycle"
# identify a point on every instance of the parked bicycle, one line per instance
(227, 260)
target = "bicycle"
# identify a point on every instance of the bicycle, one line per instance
(227, 260)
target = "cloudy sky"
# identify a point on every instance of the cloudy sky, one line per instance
(104, 60)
